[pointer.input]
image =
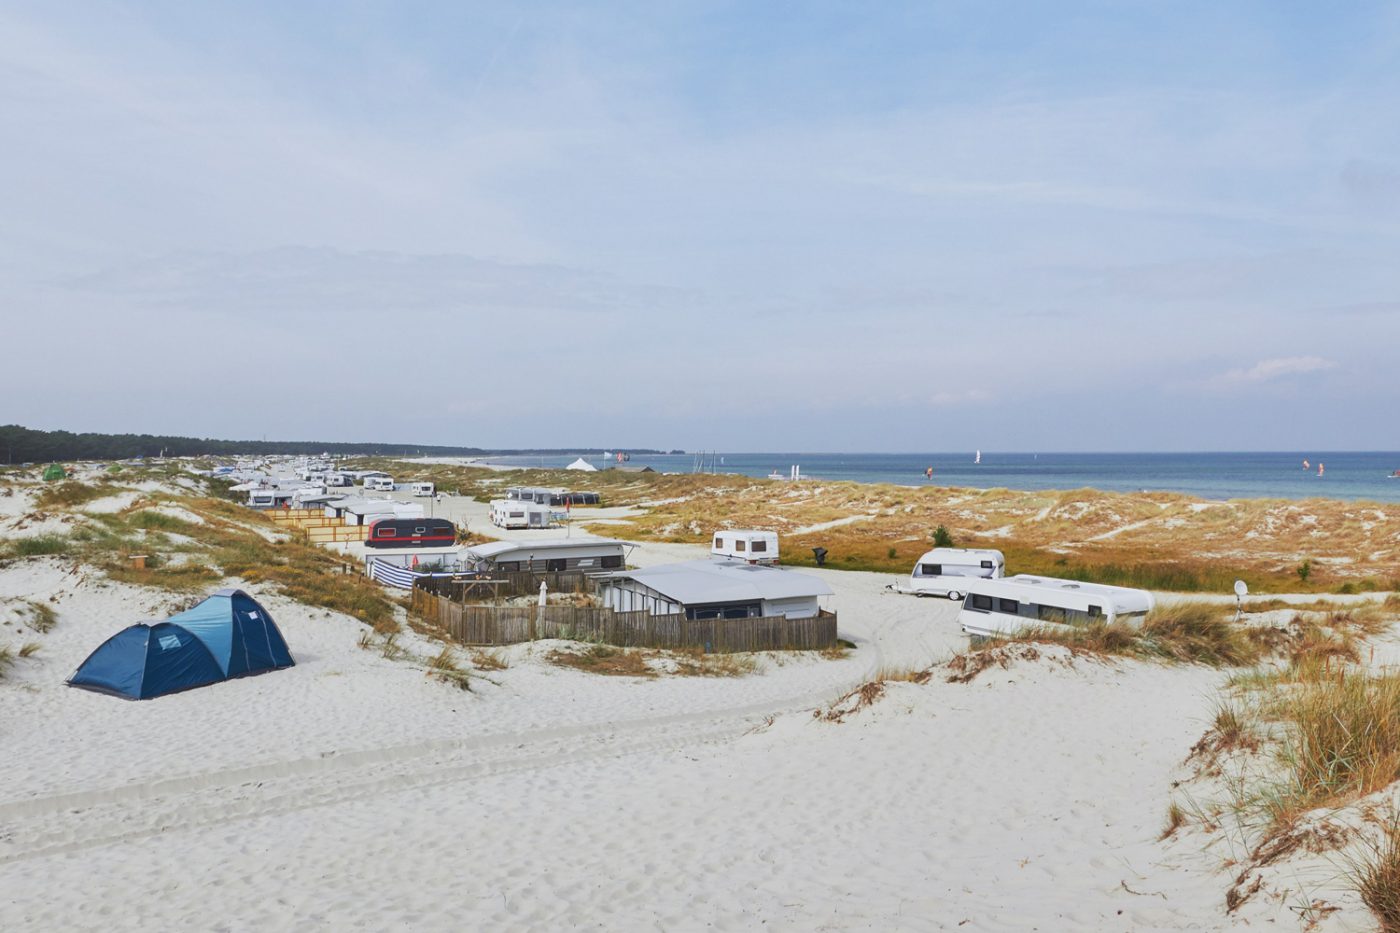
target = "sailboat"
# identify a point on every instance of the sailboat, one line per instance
(979, 457)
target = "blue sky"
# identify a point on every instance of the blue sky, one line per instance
(1111, 226)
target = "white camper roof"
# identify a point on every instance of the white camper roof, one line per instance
(1031, 588)
(958, 555)
(494, 550)
(704, 581)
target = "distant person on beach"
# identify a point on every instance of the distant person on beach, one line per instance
(928, 474)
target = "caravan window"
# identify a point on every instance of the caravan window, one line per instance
(719, 542)
(611, 562)
(738, 544)
(759, 546)
(509, 566)
(986, 565)
(384, 532)
(555, 564)
(1052, 614)
(1095, 612)
(932, 570)
(1009, 606)
(981, 603)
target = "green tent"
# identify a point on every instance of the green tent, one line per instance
(55, 472)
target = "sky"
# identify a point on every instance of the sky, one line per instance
(739, 226)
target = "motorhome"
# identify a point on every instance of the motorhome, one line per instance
(945, 571)
(379, 484)
(1011, 604)
(424, 489)
(411, 532)
(753, 547)
(339, 479)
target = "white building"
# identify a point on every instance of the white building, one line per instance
(707, 589)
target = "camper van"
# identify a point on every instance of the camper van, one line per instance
(1011, 604)
(754, 547)
(411, 532)
(945, 571)
(339, 479)
(424, 489)
(379, 484)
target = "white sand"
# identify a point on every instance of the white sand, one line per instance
(353, 792)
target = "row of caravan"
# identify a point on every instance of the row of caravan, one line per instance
(994, 604)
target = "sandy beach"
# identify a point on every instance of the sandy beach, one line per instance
(354, 791)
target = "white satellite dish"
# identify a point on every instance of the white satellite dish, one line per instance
(1241, 589)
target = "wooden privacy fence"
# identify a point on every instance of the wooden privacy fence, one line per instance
(498, 585)
(323, 534)
(509, 625)
(294, 516)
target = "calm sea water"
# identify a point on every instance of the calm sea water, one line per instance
(1348, 474)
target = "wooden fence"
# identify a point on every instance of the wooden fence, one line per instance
(501, 625)
(323, 534)
(294, 516)
(472, 587)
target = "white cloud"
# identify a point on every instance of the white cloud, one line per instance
(1278, 368)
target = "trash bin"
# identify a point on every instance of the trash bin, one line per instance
(820, 554)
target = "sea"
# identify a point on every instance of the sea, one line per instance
(1352, 475)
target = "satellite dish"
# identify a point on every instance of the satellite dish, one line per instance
(1241, 589)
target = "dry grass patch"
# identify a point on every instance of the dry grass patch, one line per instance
(1376, 876)
(444, 667)
(696, 663)
(1176, 818)
(68, 494)
(488, 660)
(1184, 633)
(604, 659)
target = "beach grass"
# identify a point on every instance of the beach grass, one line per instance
(1375, 873)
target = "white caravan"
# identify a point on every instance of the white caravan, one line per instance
(519, 513)
(945, 571)
(379, 484)
(1011, 604)
(424, 489)
(754, 547)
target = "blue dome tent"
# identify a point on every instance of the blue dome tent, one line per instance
(227, 635)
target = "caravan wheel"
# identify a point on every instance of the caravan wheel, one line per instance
(954, 595)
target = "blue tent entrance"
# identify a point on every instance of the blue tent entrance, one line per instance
(227, 635)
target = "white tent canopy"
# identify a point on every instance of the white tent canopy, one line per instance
(583, 465)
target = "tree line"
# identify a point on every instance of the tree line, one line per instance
(19, 444)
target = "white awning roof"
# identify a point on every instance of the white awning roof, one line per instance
(697, 582)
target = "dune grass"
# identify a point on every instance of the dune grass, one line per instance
(1182, 633)
(41, 546)
(445, 668)
(1375, 873)
(68, 494)
(604, 659)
